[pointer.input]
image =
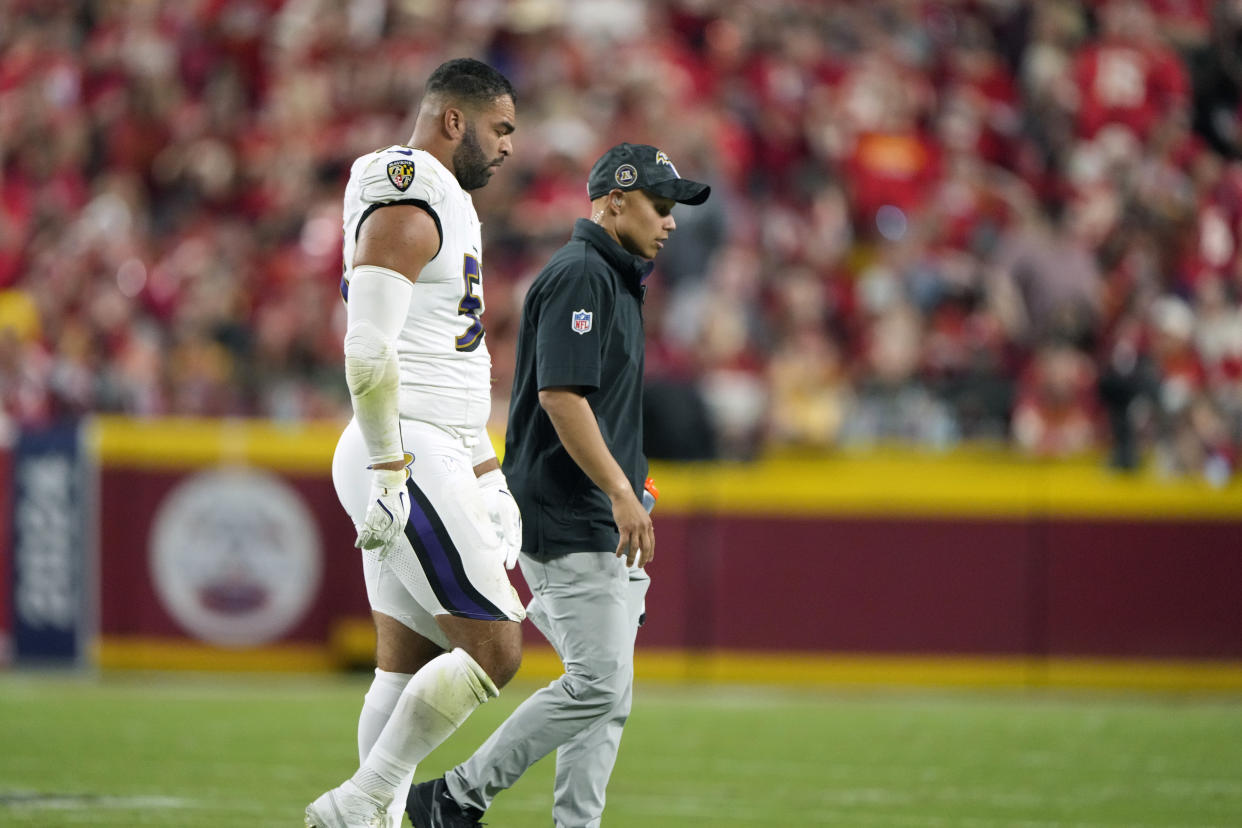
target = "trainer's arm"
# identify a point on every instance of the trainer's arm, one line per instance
(575, 424)
(402, 239)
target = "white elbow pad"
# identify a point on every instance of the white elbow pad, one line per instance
(370, 358)
(378, 303)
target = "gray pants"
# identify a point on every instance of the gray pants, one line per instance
(587, 604)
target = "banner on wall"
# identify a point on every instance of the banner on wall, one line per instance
(221, 543)
(235, 556)
(51, 573)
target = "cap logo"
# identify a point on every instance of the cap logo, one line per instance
(581, 321)
(661, 158)
(401, 174)
(626, 176)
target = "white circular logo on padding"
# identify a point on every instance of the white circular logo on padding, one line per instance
(235, 556)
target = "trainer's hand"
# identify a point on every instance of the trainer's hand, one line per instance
(388, 510)
(504, 512)
(637, 534)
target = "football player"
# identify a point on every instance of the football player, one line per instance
(415, 468)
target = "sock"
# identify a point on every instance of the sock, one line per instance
(433, 704)
(377, 706)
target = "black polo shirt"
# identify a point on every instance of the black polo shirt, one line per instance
(582, 328)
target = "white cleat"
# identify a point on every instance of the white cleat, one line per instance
(346, 807)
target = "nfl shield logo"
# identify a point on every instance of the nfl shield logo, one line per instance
(582, 321)
(401, 174)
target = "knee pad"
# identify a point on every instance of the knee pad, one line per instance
(486, 688)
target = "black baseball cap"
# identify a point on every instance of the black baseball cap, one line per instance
(643, 167)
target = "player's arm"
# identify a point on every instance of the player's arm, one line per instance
(394, 244)
(489, 465)
(575, 424)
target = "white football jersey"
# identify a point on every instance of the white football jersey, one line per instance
(445, 367)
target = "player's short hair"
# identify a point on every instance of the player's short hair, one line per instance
(468, 81)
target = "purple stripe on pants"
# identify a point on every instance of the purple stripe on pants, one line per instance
(420, 525)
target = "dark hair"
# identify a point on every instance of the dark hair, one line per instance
(469, 81)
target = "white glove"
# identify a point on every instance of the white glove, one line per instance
(504, 512)
(388, 510)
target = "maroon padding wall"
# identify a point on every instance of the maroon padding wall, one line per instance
(6, 550)
(891, 586)
(949, 586)
(128, 500)
(1144, 589)
(959, 586)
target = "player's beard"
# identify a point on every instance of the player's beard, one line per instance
(470, 163)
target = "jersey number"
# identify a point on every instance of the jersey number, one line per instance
(471, 306)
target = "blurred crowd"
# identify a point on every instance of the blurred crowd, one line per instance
(932, 221)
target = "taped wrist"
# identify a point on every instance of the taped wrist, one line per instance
(390, 479)
(482, 450)
(379, 300)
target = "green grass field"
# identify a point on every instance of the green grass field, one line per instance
(222, 751)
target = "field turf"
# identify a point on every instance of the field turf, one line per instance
(223, 751)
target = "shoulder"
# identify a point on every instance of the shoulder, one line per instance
(583, 259)
(576, 263)
(400, 173)
(574, 274)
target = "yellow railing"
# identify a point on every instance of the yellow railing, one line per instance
(967, 482)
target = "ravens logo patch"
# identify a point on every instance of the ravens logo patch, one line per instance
(401, 174)
(626, 175)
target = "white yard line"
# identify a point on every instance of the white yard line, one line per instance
(28, 801)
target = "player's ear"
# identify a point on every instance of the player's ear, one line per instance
(453, 122)
(616, 200)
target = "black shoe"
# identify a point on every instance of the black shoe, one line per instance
(429, 805)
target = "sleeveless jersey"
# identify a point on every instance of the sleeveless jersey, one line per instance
(445, 368)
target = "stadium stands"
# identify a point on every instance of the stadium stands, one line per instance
(936, 221)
